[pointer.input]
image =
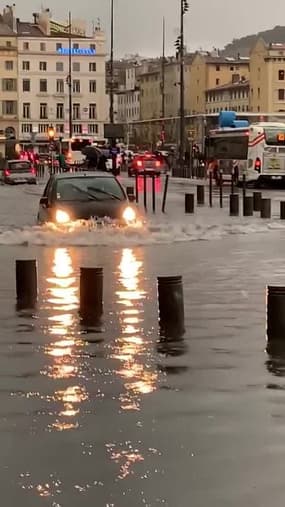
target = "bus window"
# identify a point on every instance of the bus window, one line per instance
(79, 144)
(274, 136)
(228, 147)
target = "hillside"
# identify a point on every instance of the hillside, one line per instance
(243, 45)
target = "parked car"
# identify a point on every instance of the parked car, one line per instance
(19, 171)
(83, 195)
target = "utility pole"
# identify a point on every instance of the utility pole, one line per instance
(112, 65)
(70, 74)
(163, 71)
(184, 7)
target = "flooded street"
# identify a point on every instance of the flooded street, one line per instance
(122, 417)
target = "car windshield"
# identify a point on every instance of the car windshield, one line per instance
(85, 188)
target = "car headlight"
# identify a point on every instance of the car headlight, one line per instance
(129, 215)
(62, 217)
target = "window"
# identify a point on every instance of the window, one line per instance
(258, 93)
(93, 47)
(43, 66)
(76, 111)
(217, 82)
(43, 128)
(75, 46)
(92, 112)
(77, 129)
(93, 128)
(59, 66)
(26, 65)
(92, 67)
(59, 111)
(281, 94)
(9, 65)
(27, 110)
(76, 67)
(60, 128)
(43, 46)
(8, 44)
(92, 86)
(58, 46)
(26, 46)
(59, 86)
(43, 111)
(76, 86)
(101, 188)
(26, 85)
(43, 85)
(281, 75)
(9, 107)
(218, 68)
(27, 128)
(9, 85)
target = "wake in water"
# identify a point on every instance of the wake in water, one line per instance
(147, 234)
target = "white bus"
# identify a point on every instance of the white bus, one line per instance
(258, 151)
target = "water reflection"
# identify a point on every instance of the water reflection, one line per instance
(133, 349)
(64, 349)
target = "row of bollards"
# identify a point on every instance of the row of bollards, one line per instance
(134, 191)
(170, 296)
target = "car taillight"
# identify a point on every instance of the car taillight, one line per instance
(33, 171)
(69, 155)
(7, 172)
(157, 163)
(139, 163)
(257, 165)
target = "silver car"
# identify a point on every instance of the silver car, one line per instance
(19, 171)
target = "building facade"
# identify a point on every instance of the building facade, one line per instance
(9, 82)
(229, 97)
(210, 71)
(267, 77)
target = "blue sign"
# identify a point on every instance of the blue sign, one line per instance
(78, 52)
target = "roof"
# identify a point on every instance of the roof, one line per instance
(230, 86)
(29, 29)
(95, 173)
(5, 30)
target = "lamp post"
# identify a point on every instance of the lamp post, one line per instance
(184, 7)
(69, 79)
(112, 65)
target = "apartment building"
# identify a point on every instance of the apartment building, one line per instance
(229, 97)
(267, 77)
(128, 97)
(9, 82)
(210, 70)
(41, 62)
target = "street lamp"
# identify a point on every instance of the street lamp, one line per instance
(112, 65)
(184, 8)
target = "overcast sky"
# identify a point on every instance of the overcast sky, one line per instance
(138, 22)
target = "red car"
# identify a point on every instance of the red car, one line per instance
(150, 163)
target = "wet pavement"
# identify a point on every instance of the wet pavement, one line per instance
(122, 417)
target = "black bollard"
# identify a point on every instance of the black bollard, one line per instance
(145, 190)
(265, 211)
(200, 195)
(282, 210)
(26, 284)
(257, 196)
(276, 314)
(211, 189)
(189, 203)
(234, 205)
(221, 188)
(165, 193)
(137, 187)
(153, 193)
(91, 295)
(248, 206)
(233, 182)
(171, 305)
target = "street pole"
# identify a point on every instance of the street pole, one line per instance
(182, 111)
(163, 71)
(112, 65)
(70, 75)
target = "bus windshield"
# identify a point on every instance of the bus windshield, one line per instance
(228, 147)
(275, 136)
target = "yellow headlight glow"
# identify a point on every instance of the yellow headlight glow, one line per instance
(129, 215)
(62, 217)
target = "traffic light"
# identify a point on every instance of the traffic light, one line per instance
(51, 133)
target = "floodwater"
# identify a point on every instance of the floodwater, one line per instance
(122, 418)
